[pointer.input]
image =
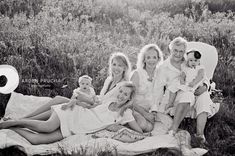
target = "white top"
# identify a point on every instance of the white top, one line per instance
(144, 94)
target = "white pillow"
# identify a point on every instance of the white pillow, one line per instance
(19, 105)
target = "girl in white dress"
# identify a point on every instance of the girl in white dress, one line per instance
(149, 58)
(64, 123)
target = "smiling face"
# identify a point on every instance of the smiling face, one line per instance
(124, 94)
(85, 84)
(177, 52)
(151, 58)
(117, 67)
(192, 61)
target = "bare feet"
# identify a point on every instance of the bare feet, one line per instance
(7, 124)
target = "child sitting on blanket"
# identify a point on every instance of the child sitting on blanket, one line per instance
(84, 91)
(193, 74)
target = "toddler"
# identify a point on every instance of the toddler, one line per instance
(83, 92)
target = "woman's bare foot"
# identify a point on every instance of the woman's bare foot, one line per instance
(6, 118)
(7, 124)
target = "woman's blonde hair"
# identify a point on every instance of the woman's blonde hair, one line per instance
(129, 84)
(141, 56)
(120, 57)
(178, 41)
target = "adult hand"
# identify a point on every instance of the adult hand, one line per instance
(200, 90)
(155, 116)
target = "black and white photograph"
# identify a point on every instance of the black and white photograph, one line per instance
(117, 77)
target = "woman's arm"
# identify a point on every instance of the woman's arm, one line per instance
(158, 88)
(135, 79)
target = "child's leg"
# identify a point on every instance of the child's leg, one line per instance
(39, 138)
(55, 101)
(50, 125)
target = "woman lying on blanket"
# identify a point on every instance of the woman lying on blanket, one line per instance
(119, 71)
(149, 58)
(64, 123)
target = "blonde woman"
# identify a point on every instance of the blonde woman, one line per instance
(64, 123)
(149, 58)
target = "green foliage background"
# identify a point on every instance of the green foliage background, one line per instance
(60, 40)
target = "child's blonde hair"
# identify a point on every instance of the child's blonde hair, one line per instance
(178, 41)
(85, 77)
(141, 56)
(120, 57)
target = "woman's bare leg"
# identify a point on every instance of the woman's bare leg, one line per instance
(50, 125)
(180, 113)
(39, 138)
(145, 125)
(43, 116)
(201, 123)
(55, 101)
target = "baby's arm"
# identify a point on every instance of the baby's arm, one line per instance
(198, 78)
(70, 104)
(84, 98)
(84, 104)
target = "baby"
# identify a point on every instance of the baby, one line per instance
(82, 93)
(192, 76)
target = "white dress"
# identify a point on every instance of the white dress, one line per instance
(83, 120)
(144, 95)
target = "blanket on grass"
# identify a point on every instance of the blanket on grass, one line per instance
(19, 105)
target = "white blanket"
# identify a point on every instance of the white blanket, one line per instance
(19, 105)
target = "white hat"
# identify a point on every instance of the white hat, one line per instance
(12, 79)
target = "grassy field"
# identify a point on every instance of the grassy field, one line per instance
(60, 40)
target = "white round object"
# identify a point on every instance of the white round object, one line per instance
(12, 79)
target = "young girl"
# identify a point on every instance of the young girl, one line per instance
(64, 123)
(149, 58)
(85, 90)
(119, 71)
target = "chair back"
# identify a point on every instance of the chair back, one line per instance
(209, 57)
